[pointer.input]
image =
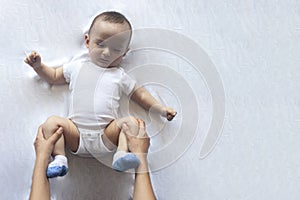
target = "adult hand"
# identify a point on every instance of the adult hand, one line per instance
(140, 143)
(40, 188)
(44, 147)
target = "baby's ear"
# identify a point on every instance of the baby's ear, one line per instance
(86, 40)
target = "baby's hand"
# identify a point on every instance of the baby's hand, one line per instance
(33, 59)
(169, 113)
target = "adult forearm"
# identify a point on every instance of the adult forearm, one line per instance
(143, 186)
(40, 188)
(143, 166)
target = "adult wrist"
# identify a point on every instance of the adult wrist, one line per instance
(42, 157)
(143, 166)
(141, 156)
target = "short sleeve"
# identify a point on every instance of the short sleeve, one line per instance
(127, 83)
(70, 70)
(67, 71)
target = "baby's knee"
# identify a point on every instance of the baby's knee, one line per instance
(51, 125)
(52, 121)
(132, 124)
(130, 120)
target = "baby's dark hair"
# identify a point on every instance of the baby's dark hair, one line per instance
(112, 17)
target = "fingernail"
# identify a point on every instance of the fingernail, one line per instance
(60, 130)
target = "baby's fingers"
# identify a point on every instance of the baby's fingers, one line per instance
(33, 59)
(171, 115)
(26, 60)
(33, 56)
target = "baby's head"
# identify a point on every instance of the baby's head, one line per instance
(108, 39)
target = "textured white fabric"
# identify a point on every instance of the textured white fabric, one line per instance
(95, 93)
(59, 160)
(91, 145)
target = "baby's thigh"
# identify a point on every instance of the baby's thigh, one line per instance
(112, 131)
(70, 131)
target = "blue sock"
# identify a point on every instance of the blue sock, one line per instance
(58, 167)
(123, 161)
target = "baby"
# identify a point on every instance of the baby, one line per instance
(96, 85)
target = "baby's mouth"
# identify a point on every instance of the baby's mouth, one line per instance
(103, 60)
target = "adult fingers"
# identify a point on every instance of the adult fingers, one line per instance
(141, 123)
(53, 139)
(40, 134)
(124, 128)
(142, 131)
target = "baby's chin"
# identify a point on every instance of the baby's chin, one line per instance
(102, 65)
(106, 66)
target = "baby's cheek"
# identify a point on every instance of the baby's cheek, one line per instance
(117, 60)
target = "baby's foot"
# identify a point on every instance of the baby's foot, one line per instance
(58, 167)
(123, 161)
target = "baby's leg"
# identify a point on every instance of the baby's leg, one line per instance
(59, 166)
(112, 131)
(122, 160)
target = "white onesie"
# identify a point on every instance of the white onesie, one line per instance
(94, 101)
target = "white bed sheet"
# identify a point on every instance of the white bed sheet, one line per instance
(255, 47)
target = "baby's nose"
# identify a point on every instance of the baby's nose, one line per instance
(106, 52)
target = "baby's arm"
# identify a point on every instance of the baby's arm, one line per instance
(147, 101)
(49, 74)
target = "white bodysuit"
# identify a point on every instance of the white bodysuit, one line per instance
(94, 101)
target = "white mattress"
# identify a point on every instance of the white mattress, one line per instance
(243, 71)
